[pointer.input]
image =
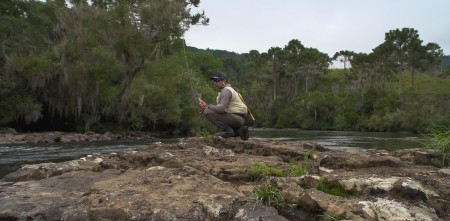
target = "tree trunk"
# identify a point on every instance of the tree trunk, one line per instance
(400, 82)
(275, 80)
(362, 89)
(413, 79)
(315, 115)
(306, 82)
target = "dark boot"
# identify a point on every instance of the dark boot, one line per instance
(243, 133)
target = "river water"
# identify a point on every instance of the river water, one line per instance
(12, 156)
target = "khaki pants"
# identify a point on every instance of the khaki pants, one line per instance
(224, 122)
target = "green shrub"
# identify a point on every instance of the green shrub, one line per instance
(268, 195)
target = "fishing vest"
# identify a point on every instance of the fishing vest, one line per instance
(235, 105)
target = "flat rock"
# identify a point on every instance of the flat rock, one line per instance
(208, 179)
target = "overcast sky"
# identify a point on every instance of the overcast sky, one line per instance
(328, 25)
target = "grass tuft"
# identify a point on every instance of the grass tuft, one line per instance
(439, 140)
(268, 195)
(330, 217)
(204, 133)
(260, 170)
(332, 188)
(298, 170)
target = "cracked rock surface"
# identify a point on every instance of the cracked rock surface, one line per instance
(208, 179)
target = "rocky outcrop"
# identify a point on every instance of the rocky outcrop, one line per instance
(209, 179)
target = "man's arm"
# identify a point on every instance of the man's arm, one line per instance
(224, 99)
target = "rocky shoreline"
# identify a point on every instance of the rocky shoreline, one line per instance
(213, 179)
(66, 137)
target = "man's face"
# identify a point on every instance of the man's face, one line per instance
(219, 83)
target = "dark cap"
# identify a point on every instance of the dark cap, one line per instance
(218, 76)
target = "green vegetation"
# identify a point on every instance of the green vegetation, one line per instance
(439, 140)
(268, 195)
(331, 217)
(92, 67)
(260, 170)
(298, 170)
(332, 188)
(204, 133)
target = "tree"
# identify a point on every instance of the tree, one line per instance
(313, 62)
(80, 61)
(434, 55)
(258, 84)
(362, 68)
(293, 50)
(24, 28)
(276, 59)
(343, 57)
(383, 63)
(408, 52)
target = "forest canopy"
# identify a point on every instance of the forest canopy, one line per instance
(106, 65)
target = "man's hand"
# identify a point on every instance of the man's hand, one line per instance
(203, 105)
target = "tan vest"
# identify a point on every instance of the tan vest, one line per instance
(235, 105)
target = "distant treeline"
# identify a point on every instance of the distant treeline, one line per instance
(115, 66)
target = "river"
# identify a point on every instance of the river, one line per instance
(12, 156)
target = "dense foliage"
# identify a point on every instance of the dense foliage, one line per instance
(397, 87)
(80, 64)
(102, 65)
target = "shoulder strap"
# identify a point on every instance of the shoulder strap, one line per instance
(248, 109)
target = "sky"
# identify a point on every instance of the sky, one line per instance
(327, 25)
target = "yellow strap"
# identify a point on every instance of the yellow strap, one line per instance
(248, 109)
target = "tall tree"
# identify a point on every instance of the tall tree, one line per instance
(344, 57)
(434, 54)
(276, 58)
(408, 52)
(258, 83)
(362, 68)
(313, 63)
(293, 50)
(383, 63)
(406, 49)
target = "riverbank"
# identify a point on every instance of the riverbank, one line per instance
(211, 179)
(66, 137)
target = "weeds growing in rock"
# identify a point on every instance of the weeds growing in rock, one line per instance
(309, 155)
(260, 170)
(330, 217)
(204, 133)
(298, 170)
(439, 140)
(332, 188)
(268, 195)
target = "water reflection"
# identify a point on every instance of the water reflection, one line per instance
(342, 139)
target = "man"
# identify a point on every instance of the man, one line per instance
(229, 113)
